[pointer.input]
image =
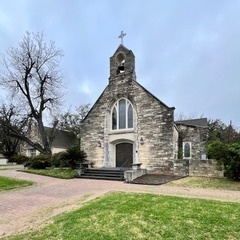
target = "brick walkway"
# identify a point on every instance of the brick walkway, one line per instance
(27, 208)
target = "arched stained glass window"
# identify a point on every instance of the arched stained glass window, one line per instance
(122, 115)
(187, 150)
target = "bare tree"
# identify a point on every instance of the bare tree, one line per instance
(34, 83)
(71, 120)
(181, 116)
(8, 144)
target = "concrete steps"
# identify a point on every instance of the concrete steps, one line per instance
(103, 173)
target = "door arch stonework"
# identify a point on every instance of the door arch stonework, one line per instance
(113, 141)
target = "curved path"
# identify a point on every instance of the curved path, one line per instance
(30, 207)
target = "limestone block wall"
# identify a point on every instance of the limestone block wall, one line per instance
(129, 62)
(208, 168)
(203, 168)
(155, 126)
(181, 167)
(92, 133)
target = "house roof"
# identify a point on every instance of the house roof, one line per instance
(198, 122)
(62, 139)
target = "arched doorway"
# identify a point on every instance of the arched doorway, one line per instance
(124, 154)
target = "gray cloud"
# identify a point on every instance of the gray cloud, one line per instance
(187, 52)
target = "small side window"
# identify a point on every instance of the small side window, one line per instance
(186, 150)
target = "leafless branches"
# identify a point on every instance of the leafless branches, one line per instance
(33, 80)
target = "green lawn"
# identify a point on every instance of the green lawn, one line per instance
(57, 173)
(145, 216)
(205, 182)
(12, 183)
(8, 166)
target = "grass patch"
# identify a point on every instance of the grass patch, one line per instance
(57, 173)
(205, 182)
(12, 183)
(144, 216)
(7, 166)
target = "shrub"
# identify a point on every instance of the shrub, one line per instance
(39, 162)
(227, 155)
(73, 157)
(232, 162)
(58, 160)
(217, 150)
(19, 159)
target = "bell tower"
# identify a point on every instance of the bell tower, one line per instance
(122, 64)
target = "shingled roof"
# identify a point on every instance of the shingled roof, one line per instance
(199, 122)
(62, 139)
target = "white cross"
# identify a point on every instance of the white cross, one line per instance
(122, 35)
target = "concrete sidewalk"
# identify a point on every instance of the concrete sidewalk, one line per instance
(27, 208)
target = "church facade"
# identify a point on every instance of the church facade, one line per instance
(128, 125)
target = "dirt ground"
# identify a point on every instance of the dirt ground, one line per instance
(31, 207)
(155, 179)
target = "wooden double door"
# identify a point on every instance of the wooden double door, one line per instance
(124, 155)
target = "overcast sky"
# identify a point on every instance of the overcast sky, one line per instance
(187, 52)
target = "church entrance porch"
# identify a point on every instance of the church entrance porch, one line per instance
(124, 155)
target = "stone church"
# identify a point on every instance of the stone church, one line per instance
(129, 125)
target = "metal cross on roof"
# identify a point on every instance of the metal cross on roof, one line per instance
(122, 35)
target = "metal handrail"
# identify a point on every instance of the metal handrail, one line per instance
(124, 164)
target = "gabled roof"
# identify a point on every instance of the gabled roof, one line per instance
(135, 82)
(62, 139)
(165, 105)
(198, 122)
(94, 104)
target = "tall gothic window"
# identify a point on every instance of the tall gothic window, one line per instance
(122, 115)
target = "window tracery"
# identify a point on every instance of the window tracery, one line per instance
(122, 115)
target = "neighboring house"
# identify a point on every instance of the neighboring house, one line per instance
(128, 124)
(3, 160)
(62, 140)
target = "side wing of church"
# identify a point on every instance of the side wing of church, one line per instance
(127, 124)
